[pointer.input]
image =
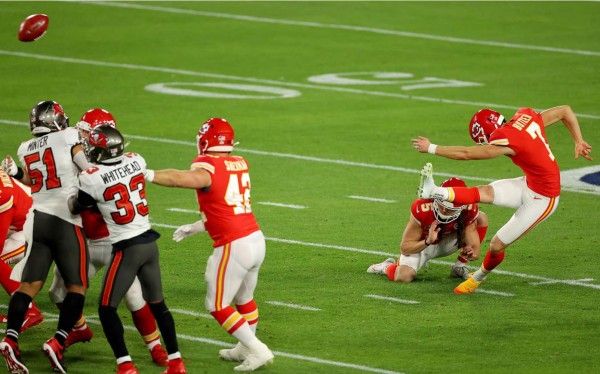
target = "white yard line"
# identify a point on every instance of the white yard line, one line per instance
(387, 298)
(264, 81)
(406, 34)
(293, 306)
(179, 210)
(291, 206)
(497, 293)
(374, 199)
(579, 283)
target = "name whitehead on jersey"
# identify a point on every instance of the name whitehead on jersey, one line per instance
(121, 172)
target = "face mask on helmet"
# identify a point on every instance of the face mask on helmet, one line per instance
(483, 124)
(445, 211)
(104, 145)
(215, 135)
(46, 117)
(94, 118)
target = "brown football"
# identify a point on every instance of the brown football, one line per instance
(33, 27)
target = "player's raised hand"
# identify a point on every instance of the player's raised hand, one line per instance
(421, 144)
(583, 148)
(9, 166)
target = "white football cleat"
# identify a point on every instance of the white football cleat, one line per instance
(237, 353)
(258, 356)
(381, 267)
(427, 184)
(459, 272)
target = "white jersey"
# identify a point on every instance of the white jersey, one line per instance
(53, 173)
(120, 192)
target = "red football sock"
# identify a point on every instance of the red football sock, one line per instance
(249, 311)
(492, 260)
(463, 195)
(481, 230)
(391, 271)
(145, 323)
(8, 284)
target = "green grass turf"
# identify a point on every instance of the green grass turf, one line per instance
(544, 328)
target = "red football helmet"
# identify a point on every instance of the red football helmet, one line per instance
(445, 211)
(95, 117)
(483, 124)
(215, 135)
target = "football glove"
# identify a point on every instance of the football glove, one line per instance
(9, 166)
(186, 231)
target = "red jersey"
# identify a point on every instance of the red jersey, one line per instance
(422, 211)
(94, 226)
(15, 201)
(525, 134)
(225, 204)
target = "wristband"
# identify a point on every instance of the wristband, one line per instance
(19, 174)
(432, 148)
(149, 176)
(427, 244)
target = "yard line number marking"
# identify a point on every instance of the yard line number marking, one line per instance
(387, 298)
(293, 306)
(265, 81)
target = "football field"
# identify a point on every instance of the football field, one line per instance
(325, 98)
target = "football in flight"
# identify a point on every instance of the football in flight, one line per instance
(33, 27)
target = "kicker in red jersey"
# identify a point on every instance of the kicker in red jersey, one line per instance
(525, 134)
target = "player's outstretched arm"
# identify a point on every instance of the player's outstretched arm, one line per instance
(10, 167)
(565, 114)
(195, 178)
(480, 152)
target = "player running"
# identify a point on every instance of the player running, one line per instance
(535, 196)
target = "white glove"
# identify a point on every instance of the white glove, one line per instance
(186, 231)
(9, 166)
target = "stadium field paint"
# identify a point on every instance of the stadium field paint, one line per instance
(318, 159)
(293, 306)
(291, 206)
(387, 298)
(497, 293)
(191, 211)
(267, 81)
(437, 262)
(374, 199)
(405, 34)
